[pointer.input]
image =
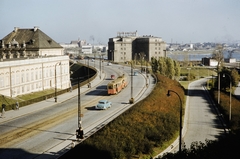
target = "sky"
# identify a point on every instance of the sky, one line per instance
(175, 21)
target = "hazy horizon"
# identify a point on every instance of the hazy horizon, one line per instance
(176, 21)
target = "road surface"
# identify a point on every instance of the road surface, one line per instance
(48, 132)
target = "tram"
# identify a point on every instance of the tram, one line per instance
(115, 86)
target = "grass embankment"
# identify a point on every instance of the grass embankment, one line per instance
(148, 124)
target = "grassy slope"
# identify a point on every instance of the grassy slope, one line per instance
(149, 124)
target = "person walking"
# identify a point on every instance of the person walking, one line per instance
(3, 110)
(17, 105)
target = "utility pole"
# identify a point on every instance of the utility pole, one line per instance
(79, 131)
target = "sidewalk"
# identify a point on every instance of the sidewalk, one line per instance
(12, 114)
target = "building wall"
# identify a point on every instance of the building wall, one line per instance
(87, 49)
(31, 75)
(121, 49)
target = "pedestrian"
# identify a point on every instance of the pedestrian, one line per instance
(17, 105)
(3, 110)
(72, 144)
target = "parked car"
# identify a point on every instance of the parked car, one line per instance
(103, 104)
(109, 63)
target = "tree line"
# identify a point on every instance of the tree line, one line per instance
(166, 67)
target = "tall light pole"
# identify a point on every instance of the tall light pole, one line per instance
(56, 80)
(230, 96)
(180, 123)
(131, 99)
(100, 66)
(219, 87)
(79, 131)
(88, 74)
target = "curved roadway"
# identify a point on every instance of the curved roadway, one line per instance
(202, 120)
(48, 133)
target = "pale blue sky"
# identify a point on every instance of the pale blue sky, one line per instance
(181, 21)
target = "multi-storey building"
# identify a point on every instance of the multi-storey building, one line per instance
(31, 61)
(129, 46)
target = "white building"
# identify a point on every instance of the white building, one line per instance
(87, 49)
(31, 61)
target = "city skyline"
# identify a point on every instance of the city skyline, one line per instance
(181, 21)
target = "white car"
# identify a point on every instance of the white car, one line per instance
(103, 104)
(109, 63)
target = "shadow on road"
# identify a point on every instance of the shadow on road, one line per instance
(10, 153)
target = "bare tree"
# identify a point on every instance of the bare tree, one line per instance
(218, 56)
(92, 38)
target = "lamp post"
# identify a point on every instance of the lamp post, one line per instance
(219, 88)
(230, 96)
(79, 131)
(180, 123)
(100, 66)
(88, 73)
(131, 99)
(56, 80)
(102, 63)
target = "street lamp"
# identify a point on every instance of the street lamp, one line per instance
(219, 88)
(131, 101)
(230, 95)
(79, 131)
(88, 74)
(180, 123)
(56, 80)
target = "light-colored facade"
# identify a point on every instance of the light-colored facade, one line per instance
(31, 61)
(130, 46)
(32, 75)
(87, 49)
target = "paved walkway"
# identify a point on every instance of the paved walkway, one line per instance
(12, 114)
(237, 91)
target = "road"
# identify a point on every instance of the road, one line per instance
(41, 133)
(201, 120)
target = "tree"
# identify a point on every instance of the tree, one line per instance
(218, 56)
(235, 77)
(154, 64)
(177, 68)
(162, 66)
(170, 71)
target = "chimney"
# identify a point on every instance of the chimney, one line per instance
(35, 28)
(16, 29)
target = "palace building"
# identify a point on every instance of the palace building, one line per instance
(31, 61)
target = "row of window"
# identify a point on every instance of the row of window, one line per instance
(26, 88)
(17, 78)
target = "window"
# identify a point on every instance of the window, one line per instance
(13, 79)
(27, 77)
(17, 78)
(32, 76)
(1, 81)
(22, 89)
(36, 74)
(40, 74)
(22, 77)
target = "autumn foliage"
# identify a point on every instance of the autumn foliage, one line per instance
(146, 125)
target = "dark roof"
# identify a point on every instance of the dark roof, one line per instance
(33, 38)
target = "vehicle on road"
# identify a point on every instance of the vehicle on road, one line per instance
(103, 104)
(112, 76)
(135, 73)
(115, 86)
(109, 63)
